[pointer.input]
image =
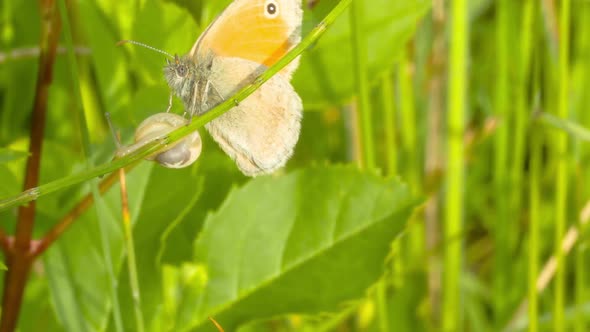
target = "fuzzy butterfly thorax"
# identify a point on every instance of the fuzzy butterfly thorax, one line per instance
(190, 81)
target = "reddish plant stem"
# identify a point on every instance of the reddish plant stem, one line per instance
(18, 255)
(5, 241)
(39, 246)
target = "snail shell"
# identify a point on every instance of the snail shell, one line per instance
(179, 154)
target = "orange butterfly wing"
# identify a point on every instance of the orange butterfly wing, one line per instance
(244, 31)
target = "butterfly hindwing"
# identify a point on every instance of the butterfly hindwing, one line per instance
(261, 132)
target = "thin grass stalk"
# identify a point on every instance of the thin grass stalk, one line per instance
(178, 134)
(562, 168)
(409, 133)
(382, 305)
(408, 118)
(391, 146)
(534, 230)
(547, 274)
(216, 324)
(535, 189)
(360, 56)
(580, 288)
(131, 261)
(522, 115)
(583, 116)
(575, 130)
(84, 125)
(584, 55)
(387, 96)
(453, 228)
(501, 224)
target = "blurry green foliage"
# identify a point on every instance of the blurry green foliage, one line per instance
(208, 240)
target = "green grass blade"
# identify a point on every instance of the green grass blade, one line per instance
(101, 208)
(453, 228)
(562, 169)
(360, 54)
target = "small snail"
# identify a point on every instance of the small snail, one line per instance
(178, 155)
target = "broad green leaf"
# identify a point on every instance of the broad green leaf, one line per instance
(283, 244)
(326, 75)
(174, 208)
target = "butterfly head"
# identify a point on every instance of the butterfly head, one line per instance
(180, 73)
(189, 79)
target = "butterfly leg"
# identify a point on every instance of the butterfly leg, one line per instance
(169, 103)
(216, 96)
(114, 131)
(190, 117)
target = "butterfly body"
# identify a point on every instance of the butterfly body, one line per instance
(190, 80)
(261, 132)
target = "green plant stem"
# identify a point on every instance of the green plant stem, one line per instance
(580, 291)
(583, 109)
(575, 130)
(360, 55)
(391, 147)
(84, 128)
(412, 170)
(534, 230)
(521, 116)
(408, 117)
(521, 112)
(501, 239)
(562, 168)
(131, 261)
(156, 145)
(535, 197)
(382, 305)
(18, 256)
(452, 308)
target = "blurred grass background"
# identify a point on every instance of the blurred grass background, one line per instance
(481, 107)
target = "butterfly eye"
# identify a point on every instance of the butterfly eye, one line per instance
(271, 9)
(181, 71)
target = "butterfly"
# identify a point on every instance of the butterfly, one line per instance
(249, 36)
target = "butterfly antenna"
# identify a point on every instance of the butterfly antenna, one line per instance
(114, 132)
(144, 45)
